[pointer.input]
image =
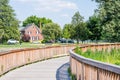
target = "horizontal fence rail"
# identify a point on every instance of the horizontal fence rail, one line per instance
(89, 69)
(15, 58)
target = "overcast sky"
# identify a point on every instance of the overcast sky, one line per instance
(60, 11)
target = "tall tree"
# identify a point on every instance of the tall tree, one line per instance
(67, 31)
(31, 19)
(44, 21)
(80, 30)
(93, 24)
(8, 22)
(1, 34)
(51, 32)
(77, 18)
(109, 14)
(37, 21)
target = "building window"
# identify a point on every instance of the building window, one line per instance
(33, 38)
(37, 38)
(37, 32)
(29, 32)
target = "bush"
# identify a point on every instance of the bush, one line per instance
(72, 76)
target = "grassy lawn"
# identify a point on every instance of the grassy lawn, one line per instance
(6, 47)
(112, 57)
(23, 45)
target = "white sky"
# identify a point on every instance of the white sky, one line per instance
(60, 11)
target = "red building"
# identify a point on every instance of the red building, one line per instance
(31, 33)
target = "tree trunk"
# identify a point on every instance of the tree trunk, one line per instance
(82, 41)
(77, 41)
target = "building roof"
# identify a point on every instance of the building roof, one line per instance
(20, 28)
(29, 25)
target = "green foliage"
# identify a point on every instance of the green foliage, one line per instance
(93, 24)
(69, 71)
(109, 16)
(10, 33)
(8, 22)
(72, 76)
(51, 32)
(80, 30)
(112, 56)
(37, 21)
(78, 50)
(67, 31)
(77, 18)
(44, 21)
(31, 19)
(1, 33)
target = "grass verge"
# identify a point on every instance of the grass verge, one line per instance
(109, 56)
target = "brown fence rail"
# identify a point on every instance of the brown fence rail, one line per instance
(15, 58)
(88, 69)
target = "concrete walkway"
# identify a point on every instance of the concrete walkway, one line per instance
(62, 72)
(45, 70)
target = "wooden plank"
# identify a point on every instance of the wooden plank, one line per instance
(95, 63)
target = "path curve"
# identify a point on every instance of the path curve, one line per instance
(44, 70)
(62, 72)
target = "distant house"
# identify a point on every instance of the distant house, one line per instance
(31, 33)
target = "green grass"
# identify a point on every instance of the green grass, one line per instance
(72, 76)
(23, 45)
(6, 47)
(112, 56)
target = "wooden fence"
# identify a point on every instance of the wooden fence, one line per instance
(88, 69)
(15, 58)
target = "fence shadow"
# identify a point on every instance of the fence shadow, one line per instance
(62, 72)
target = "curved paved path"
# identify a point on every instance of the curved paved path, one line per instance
(52, 69)
(62, 72)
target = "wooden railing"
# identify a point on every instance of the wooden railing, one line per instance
(88, 69)
(15, 58)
